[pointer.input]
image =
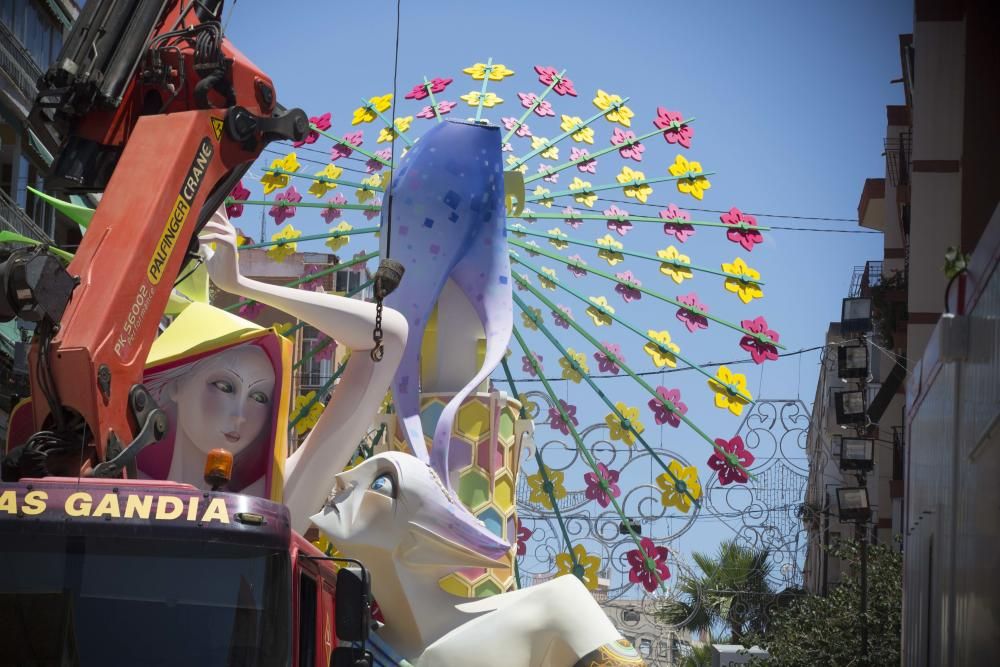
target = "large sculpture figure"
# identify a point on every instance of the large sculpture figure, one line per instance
(348, 416)
(392, 513)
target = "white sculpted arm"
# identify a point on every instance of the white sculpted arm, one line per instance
(310, 471)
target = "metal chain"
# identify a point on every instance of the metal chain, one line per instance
(378, 351)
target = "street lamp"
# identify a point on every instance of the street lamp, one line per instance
(850, 408)
(852, 503)
(857, 454)
(852, 362)
(856, 315)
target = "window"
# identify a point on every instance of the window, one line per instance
(315, 371)
(307, 620)
(347, 281)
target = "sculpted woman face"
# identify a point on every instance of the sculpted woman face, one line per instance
(225, 401)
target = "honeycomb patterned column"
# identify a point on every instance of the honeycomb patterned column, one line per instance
(485, 458)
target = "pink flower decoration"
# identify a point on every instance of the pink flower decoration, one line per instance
(734, 451)
(758, 349)
(331, 214)
(507, 148)
(675, 227)
(576, 270)
(628, 292)
(360, 266)
(674, 131)
(373, 165)
(281, 212)
(605, 363)
(643, 573)
(419, 91)
(630, 148)
(745, 237)
(250, 310)
(526, 365)
(587, 166)
(321, 123)
(558, 423)
(239, 193)
(548, 178)
(547, 74)
(542, 109)
(510, 123)
(444, 107)
(325, 347)
(344, 150)
(595, 491)
(523, 535)
(572, 222)
(562, 316)
(662, 414)
(615, 223)
(693, 321)
(314, 284)
(370, 214)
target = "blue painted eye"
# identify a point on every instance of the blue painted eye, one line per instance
(385, 485)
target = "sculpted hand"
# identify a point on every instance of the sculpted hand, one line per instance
(222, 263)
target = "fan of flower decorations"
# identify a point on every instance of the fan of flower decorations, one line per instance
(585, 292)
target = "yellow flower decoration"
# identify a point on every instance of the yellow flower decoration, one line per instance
(548, 282)
(557, 238)
(571, 371)
(540, 490)
(580, 133)
(634, 188)
(367, 113)
(335, 243)
(663, 350)
(308, 419)
(512, 160)
(550, 153)
(670, 267)
(283, 328)
(583, 194)
(747, 290)
(541, 192)
(585, 569)
(609, 250)
(496, 72)
(731, 391)
(320, 188)
(529, 321)
(691, 183)
(489, 99)
(273, 181)
(674, 492)
(287, 235)
(601, 311)
(617, 112)
(626, 427)
(402, 125)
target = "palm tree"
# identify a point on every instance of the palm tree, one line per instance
(731, 592)
(700, 655)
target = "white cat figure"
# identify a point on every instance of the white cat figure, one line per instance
(393, 514)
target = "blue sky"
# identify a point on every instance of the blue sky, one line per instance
(790, 104)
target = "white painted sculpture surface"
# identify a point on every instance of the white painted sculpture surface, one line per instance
(392, 513)
(329, 446)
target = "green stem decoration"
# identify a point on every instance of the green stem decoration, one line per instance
(434, 105)
(626, 423)
(585, 453)
(319, 274)
(323, 179)
(763, 338)
(538, 100)
(309, 204)
(633, 218)
(312, 237)
(566, 133)
(482, 93)
(591, 156)
(316, 397)
(544, 472)
(347, 144)
(659, 260)
(614, 186)
(619, 362)
(392, 128)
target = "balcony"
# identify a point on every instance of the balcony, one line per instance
(864, 278)
(19, 67)
(897, 159)
(13, 219)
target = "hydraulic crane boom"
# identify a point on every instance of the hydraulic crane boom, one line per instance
(149, 104)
